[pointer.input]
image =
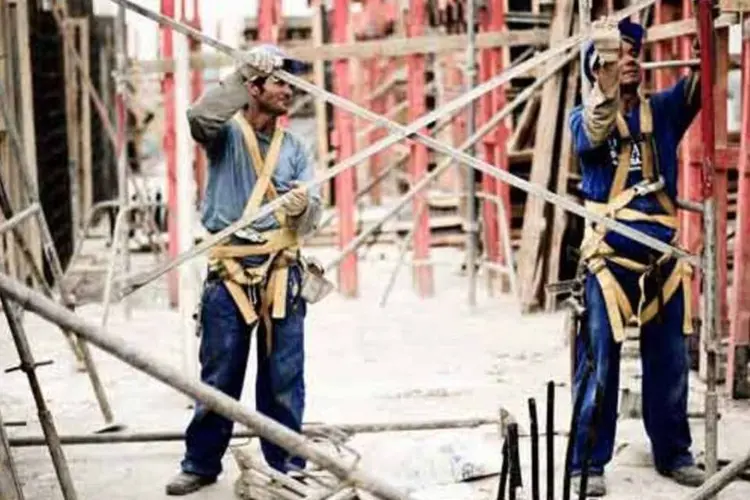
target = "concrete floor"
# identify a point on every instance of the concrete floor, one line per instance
(413, 360)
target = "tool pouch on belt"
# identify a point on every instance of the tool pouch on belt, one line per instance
(315, 286)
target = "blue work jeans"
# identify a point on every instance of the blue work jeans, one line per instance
(665, 367)
(279, 383)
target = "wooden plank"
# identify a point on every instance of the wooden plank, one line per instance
(735, 5)
(86, 172)
(534, 226)
(567, 163)
(389, 47)
(526, 121)
(26, 91)
(684, 27)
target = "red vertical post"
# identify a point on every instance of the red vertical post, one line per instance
(344, 132)
(502, 189)
(196, 89)
(690, 171)
(486, 108)
(663, 77)
(415, 94)
(373, 16)
(266, 21)
(740, 311)
(167, 83)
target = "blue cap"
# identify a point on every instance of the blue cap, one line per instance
(630, 32)
(293, 66)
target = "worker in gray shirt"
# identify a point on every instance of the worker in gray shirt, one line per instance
(255, 276)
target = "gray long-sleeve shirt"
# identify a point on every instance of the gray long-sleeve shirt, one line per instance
(231, 176)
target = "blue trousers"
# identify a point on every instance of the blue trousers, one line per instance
(279, 384)
(665, 368)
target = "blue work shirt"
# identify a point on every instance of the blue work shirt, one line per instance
(672, 110)
(231, 176)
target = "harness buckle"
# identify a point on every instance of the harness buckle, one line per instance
(645, 187)
(250, 235)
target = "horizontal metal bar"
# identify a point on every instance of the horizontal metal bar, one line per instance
(19, 217)
(145, 361)
(309, 429)
(670, 64)
(398, 133)
(692, 206)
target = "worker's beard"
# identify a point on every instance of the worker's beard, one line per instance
(629, 88)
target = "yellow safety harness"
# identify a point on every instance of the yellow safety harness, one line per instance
(595, 252)
(281, 245)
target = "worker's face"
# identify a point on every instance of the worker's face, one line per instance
(273, 97)
(630, 66)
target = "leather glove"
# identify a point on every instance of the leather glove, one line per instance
(606, 38)
(296, 201)
(258, 63)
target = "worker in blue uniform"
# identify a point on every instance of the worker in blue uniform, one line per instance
(255, 277)
(627, 146)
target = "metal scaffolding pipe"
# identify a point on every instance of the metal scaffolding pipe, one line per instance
(721, 479)
(213, 399)
(711, 321)
(19, 217)
(400, 132)
(307, 429)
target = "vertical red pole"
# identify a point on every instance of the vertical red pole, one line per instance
(344, 132)
(721, 95)
(266, 21)
(374, 80)
(502, 131)
(168, 9)
(690, 174)
(418, 160)
(664, 77)
(740, 310)
(196, 88)
(486, 108)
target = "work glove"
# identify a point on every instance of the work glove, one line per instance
(258, 62)
(605, 36)
(295, 201)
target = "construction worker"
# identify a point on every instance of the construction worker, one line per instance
(627, 147)
(255, 278)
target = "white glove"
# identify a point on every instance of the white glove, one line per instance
(606, 37)
(258, 62)
(295, 201)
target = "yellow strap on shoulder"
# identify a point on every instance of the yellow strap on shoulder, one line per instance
(264, 169)
(623, 158)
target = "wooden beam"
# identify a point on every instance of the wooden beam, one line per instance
(530, 255)
(684, 27)
(26, 93)
(567, 163)
(389, 47)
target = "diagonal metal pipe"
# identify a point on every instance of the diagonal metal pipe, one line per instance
(398, 133)
(214, 399)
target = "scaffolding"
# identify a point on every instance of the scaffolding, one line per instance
(475, 102)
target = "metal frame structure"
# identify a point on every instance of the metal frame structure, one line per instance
(420, 141)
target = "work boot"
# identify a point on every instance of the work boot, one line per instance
(595, 486)
(185, 482)
(690, 475)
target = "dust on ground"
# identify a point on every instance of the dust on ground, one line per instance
(416, 359)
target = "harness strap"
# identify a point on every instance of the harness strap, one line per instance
(281, 245)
